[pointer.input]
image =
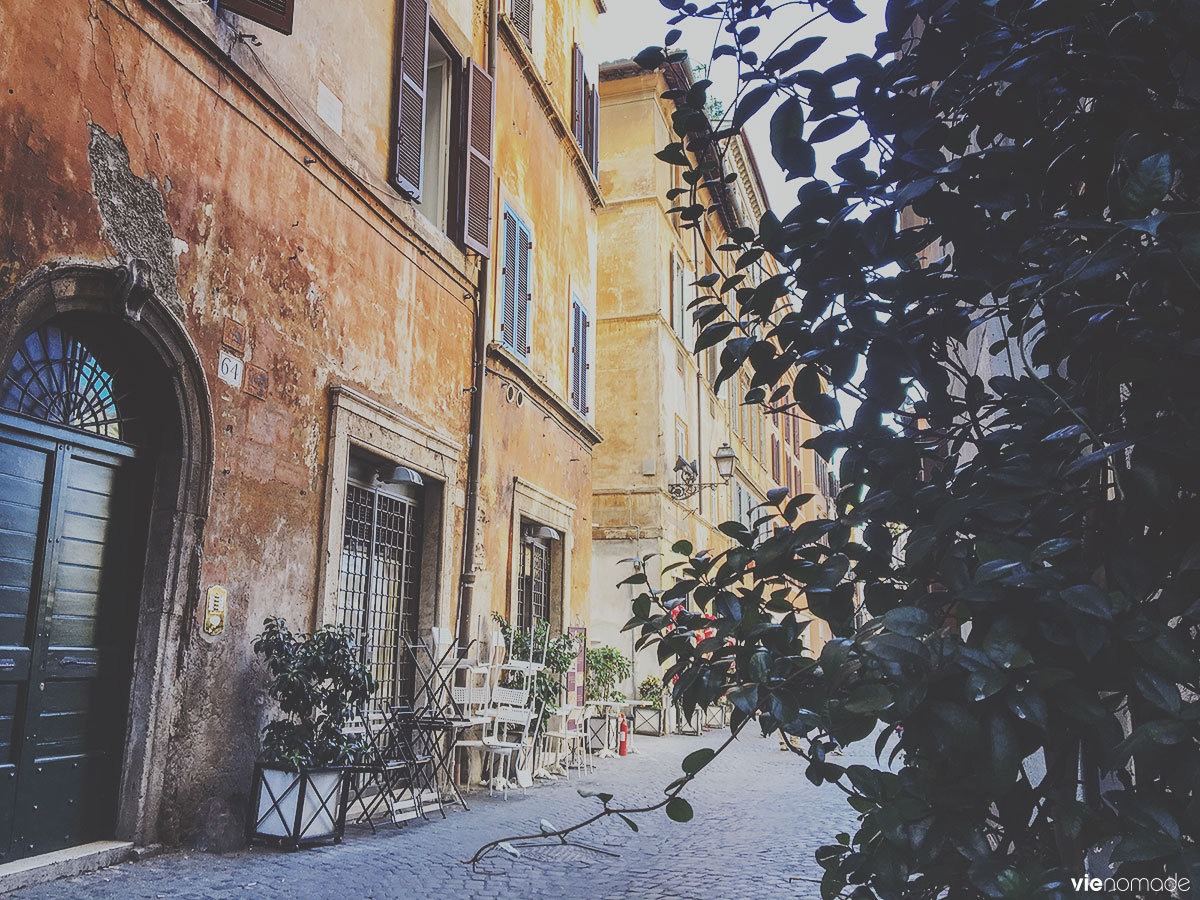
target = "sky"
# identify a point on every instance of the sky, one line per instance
(631, 25)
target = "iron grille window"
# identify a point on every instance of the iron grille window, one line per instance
(378, 584)
(533, 585)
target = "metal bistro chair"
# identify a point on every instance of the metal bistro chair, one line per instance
(382, 773)
(474, 697)
(417, 742)
(508, 740)
(440, 717)
(395, 769)
(569, 740)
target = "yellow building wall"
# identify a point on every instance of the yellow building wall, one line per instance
(648, 379)
(534, 442)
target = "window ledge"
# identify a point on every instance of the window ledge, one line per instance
(558, 120)
(545, 394)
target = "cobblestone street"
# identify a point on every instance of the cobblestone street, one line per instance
(758, 820)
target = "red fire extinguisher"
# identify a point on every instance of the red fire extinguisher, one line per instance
(623, 736)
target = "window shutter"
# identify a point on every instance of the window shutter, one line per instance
(477, 197)
(412, 56)
(276, 14)
(585, 362)
(575, 360)
(521, 13)
(593, 128)
(508, 284)
(524, 246)
(579, 98)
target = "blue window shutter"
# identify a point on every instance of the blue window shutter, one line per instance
(524, 248)
(584, 361)
(576, 396)
(508, 283)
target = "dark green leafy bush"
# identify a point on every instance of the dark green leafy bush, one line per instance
(998, 330)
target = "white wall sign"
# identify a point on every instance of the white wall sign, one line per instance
(230, 369)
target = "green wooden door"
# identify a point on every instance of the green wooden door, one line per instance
(67, 615)
(70, 560)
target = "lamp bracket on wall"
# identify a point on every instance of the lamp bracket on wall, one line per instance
(689, 483)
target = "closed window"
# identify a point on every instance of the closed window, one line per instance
(677, 292)
(520, 12)
(581, 359)
(439, 151)
(533, 583)
(379, 575)
(515, 291)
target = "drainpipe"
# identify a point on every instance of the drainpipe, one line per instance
(475, 447)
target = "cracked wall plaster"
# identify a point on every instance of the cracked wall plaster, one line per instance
(134, 213)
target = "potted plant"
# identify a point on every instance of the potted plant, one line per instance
(607, 667)
(300, 784)
(651, 719)
(715, 715)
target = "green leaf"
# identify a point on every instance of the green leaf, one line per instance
(679, 810)
(908, 620)
(869, 699)
(683, 548)
(1146, 185)
(650, 58)
(754, 100)
(1158, 691)
(628, 821)
(697, 760)
(1088, 598)
(794, 154)
(788, 59)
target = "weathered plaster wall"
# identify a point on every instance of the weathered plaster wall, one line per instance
(648, 379)
(542, 440)
(240, 219)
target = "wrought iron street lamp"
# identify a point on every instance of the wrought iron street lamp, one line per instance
(689, 483)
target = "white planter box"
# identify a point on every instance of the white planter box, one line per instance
(297, 808)
(647, 720)
(597, 733)
(714, 717)
(694, 725)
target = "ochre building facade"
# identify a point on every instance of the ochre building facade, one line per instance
(295, 303)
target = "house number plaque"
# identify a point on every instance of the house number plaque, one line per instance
(215, 606)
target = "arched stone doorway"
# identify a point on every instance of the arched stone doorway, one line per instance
(105, 455)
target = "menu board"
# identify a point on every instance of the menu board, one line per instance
(575, 675)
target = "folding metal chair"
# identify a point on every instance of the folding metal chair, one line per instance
(415, 742)
(439, 717)
(385, 771)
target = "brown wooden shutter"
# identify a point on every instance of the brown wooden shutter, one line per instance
(276, 14)
(521, 13)
(477, 195)
(412, 57)
(578, 97)
(591, 127)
